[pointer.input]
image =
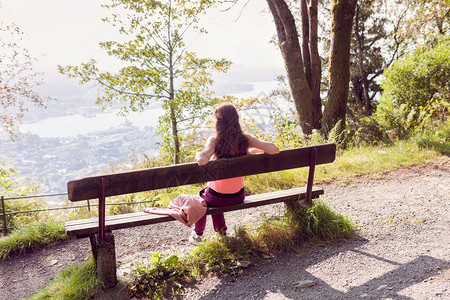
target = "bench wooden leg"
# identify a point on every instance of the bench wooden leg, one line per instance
(104, 252)
(92, 239)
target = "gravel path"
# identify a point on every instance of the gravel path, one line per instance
(402, 250)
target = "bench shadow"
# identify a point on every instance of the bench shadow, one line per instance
(275, 278)
(405, 275)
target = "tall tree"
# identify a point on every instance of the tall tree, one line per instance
(382, 30)
(18, 81)
(374, 47)
(159, 66)
(339, 62)
(302, 66)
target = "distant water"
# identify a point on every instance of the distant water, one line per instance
(77, 124)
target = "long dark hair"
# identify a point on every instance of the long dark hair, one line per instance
(230, 141)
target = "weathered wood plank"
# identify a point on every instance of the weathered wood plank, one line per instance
(83, 228)
(183, 174)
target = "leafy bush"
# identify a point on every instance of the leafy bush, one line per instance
(23, 219)
(416, 89)
(365, 131)
(11, 187)
(158, 277)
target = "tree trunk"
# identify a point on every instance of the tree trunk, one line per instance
(367, 100)
(290, 48)
(173, 117)
(176, 139)
(316, 64)
(339, 70)
(357, 91)
(361, 72)
(305, 40)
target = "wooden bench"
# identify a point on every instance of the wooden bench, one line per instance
(99, 230)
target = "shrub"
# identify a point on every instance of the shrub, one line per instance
(159, 276)
(414, 86)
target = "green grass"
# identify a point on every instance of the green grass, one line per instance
(28, 238)
(79, 281)
(372, 161)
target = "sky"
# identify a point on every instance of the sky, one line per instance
(67, 32)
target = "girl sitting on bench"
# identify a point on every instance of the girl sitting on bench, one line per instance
(228, 142)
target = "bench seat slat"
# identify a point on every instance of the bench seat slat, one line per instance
(85, 227)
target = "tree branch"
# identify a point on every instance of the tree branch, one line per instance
(127, 93)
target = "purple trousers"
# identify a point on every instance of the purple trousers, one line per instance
(215, 199)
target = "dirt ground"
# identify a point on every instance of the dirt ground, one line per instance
(402, 250)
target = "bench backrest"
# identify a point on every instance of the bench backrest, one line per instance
(190, 173)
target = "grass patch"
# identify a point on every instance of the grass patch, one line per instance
(79, 281)
(28, 238)
(370, 160)
(318, 224)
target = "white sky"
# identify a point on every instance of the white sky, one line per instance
(67, 32)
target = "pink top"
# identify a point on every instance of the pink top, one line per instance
(227, 186)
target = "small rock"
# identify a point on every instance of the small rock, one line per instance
(243, 263)
(53, 262)
(303, 284)
(364, 295)
(382, 287)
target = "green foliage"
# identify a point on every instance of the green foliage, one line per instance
(364, 131)
(79, 281)
(318, 224)
(158, 277)
(287, 132)
(21, 219)
(436, 137)
(212, 255)
(321, 223)
(28, 238)
(414, 87)
(371, 49)
(10, 187)
(425, 21)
